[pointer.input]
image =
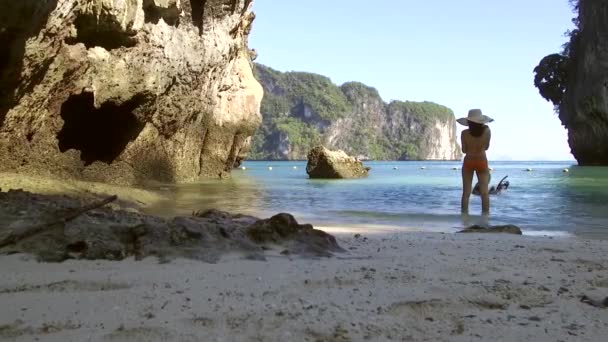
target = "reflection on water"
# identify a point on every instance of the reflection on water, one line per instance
(402, 194)
(581, 199)
(236, 195)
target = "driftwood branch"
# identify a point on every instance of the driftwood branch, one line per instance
(25, 232)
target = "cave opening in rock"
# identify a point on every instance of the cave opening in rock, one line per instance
(100, 134)
(153, 13)
(198, 9)
(105, 33)
(6, 40)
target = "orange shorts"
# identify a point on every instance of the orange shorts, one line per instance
(475, 164)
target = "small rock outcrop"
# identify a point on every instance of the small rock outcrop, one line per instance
(323, 163)
(301, 239)
(509, 229)
(105, 233)
(126, 91)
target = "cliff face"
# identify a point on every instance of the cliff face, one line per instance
(126, 90)
(302, 110)
(584, 108)
(426, 131)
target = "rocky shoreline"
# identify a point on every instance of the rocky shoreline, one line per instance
(56, 228)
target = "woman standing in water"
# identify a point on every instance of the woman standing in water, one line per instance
(475, 141)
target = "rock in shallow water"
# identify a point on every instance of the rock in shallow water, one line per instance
(509, 229)
(324, 163)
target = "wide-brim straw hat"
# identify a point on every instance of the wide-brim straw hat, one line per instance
(475, 115)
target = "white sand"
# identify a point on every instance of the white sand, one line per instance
(390, 286)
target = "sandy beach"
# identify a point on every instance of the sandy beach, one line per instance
(386, 286)
(350, 171)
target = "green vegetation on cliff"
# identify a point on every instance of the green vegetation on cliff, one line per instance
(358, 90)
(297, 89)
(296, 136)
(425, 111)
(301, 110)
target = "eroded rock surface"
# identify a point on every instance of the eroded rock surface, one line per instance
(104, 233)
(323, 163)
(126, 91)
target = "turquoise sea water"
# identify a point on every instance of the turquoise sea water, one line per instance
(545, 201)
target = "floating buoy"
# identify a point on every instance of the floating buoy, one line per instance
(243, 168)
(395, 168)
(423, 168)
(270, 168)
(529, 169)
(566, 170)
(455, 168)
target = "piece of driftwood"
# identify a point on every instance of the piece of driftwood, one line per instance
(25, 232)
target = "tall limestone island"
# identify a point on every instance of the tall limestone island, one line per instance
(126, 91)
(302, 110)
(576, 81)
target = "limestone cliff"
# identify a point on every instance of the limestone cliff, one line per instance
(302, 110)
(576, 81)
(584, 110)
(126, 90)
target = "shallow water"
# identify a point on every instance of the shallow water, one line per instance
(545, 201)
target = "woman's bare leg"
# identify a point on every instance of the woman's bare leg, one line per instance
(467, 183)
(483, 178)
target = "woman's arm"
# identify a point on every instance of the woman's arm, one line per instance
(463, 144)
(488, 137)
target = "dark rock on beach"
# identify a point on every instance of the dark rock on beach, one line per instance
(509, 229)
(56, 228)
(324, 163)
(301, 238)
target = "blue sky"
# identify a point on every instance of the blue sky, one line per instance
(461, 54)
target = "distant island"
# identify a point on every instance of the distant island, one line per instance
(301, 110)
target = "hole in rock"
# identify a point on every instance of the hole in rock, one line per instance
(100, 134)
(198, 9)
(11, 54)
(77, 247)
(153, 13)
(102, 32)
(6, 40)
